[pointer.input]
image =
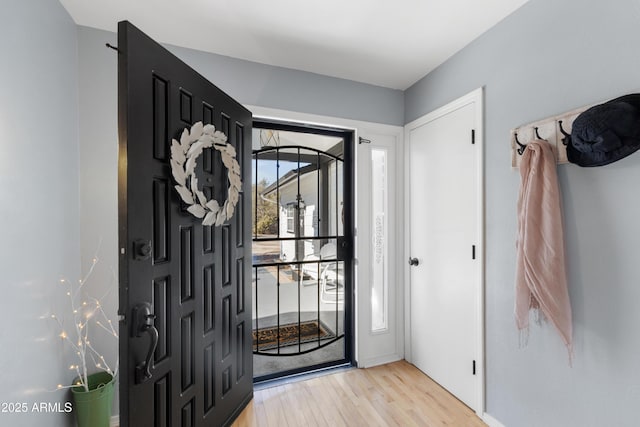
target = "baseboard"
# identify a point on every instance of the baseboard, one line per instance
(490, 421)
(375, 361)
(115, 421)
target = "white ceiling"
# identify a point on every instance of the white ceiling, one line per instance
(385, 43)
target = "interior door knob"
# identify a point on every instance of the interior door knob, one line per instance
(414, 261)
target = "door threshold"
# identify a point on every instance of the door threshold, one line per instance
(302, 376)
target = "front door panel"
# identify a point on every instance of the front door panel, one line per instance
(192, 277)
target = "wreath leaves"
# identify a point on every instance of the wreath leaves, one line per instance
(186, 195)
(184, 155)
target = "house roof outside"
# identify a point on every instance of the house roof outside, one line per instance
(288, 177)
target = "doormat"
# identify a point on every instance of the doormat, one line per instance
(309, 331)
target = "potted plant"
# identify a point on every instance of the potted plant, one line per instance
(93, 388)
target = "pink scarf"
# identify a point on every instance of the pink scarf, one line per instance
(541, 282)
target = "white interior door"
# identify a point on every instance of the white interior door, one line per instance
(445, 285)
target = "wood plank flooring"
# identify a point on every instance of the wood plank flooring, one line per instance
(396, 394)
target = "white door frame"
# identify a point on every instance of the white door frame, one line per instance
(367, 130)
(475, 97)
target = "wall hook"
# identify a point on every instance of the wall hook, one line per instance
(110, 46)
(567, 136)
(522, 146)
(537, 134)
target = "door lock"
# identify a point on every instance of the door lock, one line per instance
(142, 249)
(414, 261)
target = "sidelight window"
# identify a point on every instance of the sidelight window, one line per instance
(379, 227)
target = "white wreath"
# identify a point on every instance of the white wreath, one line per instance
(183, 166)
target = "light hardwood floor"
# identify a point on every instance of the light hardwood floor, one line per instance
(396, 394)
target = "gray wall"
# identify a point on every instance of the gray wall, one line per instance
(275, 87)
(256, 84)
(546, 58)
(39, 213)
(98, 75)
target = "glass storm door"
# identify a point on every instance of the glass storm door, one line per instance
(302, 248)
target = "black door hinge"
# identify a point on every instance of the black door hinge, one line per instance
(474, 367)
(473, 251)
(473, 136)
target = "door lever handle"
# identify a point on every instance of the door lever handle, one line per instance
(413, 261)
(143, 323)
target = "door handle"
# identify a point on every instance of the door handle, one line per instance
(343, 249)
(143, 323)
(413, 261)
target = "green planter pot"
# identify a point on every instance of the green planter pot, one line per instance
(93, 407)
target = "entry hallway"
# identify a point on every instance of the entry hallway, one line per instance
(396, 394)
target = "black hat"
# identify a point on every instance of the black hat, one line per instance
(606, 133)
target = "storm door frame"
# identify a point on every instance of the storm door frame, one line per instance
(346, 250)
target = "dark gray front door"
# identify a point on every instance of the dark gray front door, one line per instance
(194, 279)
